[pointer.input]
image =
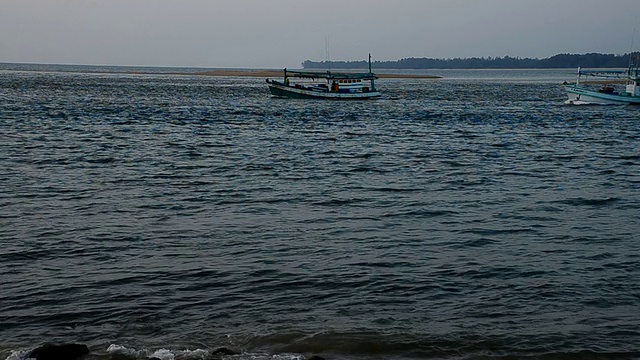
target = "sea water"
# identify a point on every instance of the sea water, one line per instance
(168, 215)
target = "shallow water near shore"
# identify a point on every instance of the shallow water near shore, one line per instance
(474, 216)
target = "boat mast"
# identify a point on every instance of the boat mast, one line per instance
(633, 36)
(632, 73)
(328, 53)
(373, 85)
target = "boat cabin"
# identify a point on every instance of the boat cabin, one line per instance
(632, 83)
(633, 88)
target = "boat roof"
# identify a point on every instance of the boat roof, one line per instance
(331, 75)
(602, 72)
(608, 73)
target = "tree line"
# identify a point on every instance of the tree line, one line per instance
(591, 60)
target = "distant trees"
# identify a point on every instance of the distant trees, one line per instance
(591, 60)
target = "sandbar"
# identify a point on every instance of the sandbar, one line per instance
(278, 73)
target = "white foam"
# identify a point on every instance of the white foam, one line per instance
(162, 354)
(195, 354)
(18, 355)
(122, 350)
(287, 357)
(262, 356)
(577, 102)
(580, 102)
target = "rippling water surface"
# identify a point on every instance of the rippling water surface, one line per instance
(475, 216)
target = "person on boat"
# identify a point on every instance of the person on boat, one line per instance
(334, 86)
(286, 81)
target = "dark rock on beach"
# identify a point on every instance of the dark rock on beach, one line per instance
(59, 352)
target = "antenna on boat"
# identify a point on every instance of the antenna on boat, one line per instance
(370, 63)
(328, 54)
(633, 37)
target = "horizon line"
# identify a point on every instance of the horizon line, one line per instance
(307, 60)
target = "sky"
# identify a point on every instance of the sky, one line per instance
(283, 33)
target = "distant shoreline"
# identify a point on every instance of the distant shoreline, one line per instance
(590, 60)
(278, 73)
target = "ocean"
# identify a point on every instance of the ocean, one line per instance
(471, 217)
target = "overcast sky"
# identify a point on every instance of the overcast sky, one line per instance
(283, 33)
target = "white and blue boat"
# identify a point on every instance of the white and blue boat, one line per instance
(608, 91)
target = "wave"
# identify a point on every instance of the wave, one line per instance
(356, 346)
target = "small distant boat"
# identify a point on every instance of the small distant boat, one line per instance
(339, 86)
(607, 92)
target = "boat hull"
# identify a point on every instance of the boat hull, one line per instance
(581, 95)
(292, 92)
